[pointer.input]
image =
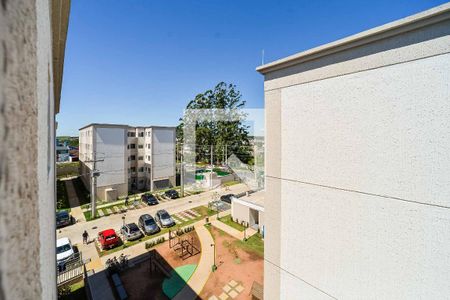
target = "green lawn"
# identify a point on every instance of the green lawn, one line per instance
(204, 211)
(230, 183)
(62, 200)
(77, 292)
(253, 244)
(228, 220)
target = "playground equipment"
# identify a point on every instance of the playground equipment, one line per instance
(183, 246)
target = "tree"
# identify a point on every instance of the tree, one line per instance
(230, 135)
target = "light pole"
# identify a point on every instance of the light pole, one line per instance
(123, 220)
(214, 267)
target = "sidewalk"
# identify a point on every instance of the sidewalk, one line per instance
(201, 275)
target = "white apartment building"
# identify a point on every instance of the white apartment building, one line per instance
(128, 158)
(357, 165)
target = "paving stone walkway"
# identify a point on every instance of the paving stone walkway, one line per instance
(230, 291)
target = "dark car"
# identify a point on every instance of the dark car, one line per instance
(131, 232)
(172, 194)
(63, 218)
(227, 198)
(148, 224)
(164, 219)
(149, 199)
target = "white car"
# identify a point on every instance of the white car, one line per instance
(64, 251)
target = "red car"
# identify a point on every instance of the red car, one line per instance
(108, 239)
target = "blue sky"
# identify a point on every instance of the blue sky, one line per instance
(140, 62)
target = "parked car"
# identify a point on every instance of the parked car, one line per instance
(131, 232)
(164, 219)
(227, 198)
(149, 199)
(63, 218)
(64, 252)
(108, 239)
(148, 224)
(172, 194)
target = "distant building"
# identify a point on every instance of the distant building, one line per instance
(62, 151)
(133, 158)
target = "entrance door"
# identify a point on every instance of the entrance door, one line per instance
(253, 218)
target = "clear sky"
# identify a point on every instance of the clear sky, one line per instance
(140, 62)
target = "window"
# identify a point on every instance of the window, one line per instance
(148, 157)
(148, 133)
(133, 169)
(141, 169)
(129, 171)
(141, 181)
(131, 134)
(140, 158)
(140, 146)
(133, 157)
(132, 146)
(141, 134)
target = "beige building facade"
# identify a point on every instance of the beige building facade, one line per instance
(129, 159)
(357, 143)
(250, 210)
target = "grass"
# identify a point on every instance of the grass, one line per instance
(127, 244)
(62, 200)
(204, 211)
(77, 292)
(229, 221)
(253, 244)
(230, 183)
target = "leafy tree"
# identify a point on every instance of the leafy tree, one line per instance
(230, 135)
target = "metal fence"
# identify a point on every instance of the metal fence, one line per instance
(70, 270)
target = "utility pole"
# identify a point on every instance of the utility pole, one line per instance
(182, 171)
(226, 155)
(94, 174)
(212, 162)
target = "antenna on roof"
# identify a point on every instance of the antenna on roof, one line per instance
(262, 57)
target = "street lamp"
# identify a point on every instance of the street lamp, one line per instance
(214, 267)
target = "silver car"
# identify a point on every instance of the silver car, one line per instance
(148, 224)
(164, 219)
(131, 232)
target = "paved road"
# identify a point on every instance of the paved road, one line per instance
(74, 232)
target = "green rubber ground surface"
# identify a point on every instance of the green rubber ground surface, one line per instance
(177, 280)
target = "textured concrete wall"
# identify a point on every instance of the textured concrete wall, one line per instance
(27, 266)
(239, 212)
(359, 193)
